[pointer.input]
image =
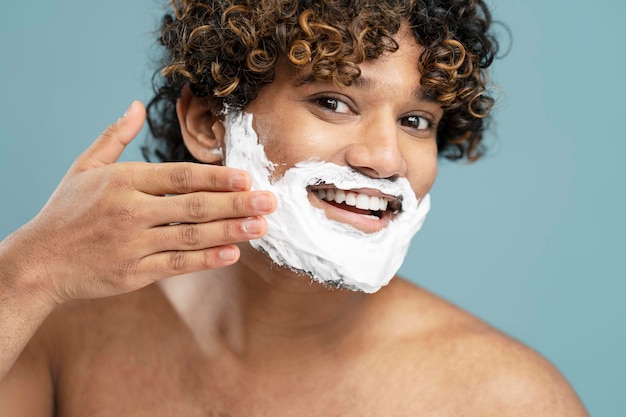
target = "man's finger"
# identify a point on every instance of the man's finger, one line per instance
(166, 264)
(188, 177)
(109, 146)
(205, 207)
(204, 235)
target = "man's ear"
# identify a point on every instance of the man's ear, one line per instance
(203, 131)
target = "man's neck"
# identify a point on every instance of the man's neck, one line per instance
(267, 316)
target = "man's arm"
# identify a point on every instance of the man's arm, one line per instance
(108, 229)
(27, 389)
(23, 306)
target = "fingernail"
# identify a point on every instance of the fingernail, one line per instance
(128, 110)
(251, 226)
(261, 202)
(227, 254)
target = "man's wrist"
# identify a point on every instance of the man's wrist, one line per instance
(21, 278)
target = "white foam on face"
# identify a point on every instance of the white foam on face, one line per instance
(302, 238)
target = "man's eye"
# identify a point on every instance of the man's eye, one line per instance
(333, 104)
(417, 122)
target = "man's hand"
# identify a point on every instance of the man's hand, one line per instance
(110, 228)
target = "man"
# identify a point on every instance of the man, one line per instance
(145, 297)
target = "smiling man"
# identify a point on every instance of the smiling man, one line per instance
(261, 279)
(349, 181)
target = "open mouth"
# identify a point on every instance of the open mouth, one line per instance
(371, 203)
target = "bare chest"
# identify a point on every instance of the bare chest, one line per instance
(157, 383)
(137, 387)
(140, 361)
(133, 378)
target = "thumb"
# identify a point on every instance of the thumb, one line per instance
(111, 143)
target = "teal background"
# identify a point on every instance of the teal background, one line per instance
(531, 238)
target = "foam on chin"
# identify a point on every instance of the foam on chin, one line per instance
(302, 238)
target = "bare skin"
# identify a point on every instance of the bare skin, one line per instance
(168, 350)
(102, 232)
(248, 338)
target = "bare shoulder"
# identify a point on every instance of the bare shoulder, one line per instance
(84, 333)
(59, 350)
(456, 359)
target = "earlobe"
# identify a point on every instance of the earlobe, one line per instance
(202, 130)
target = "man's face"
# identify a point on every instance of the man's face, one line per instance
(350, 166)
(379, 126)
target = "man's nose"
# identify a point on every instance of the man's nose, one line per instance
(375, 149)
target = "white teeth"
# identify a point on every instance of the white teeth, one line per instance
(361, 201)
(374, 203)
(351, 199)
(340, 196)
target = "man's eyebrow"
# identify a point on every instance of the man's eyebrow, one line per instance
(366, 83)
(360, 82)
(418, 93)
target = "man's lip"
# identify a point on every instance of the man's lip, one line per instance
(363, 222)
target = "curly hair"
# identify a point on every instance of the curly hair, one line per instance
(226, 50)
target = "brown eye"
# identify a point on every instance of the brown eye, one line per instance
(327, 102)
(333, 104)
(417, 122)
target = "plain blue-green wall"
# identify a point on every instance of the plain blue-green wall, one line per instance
(531, 238)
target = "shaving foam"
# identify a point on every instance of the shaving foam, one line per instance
(302, 238)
